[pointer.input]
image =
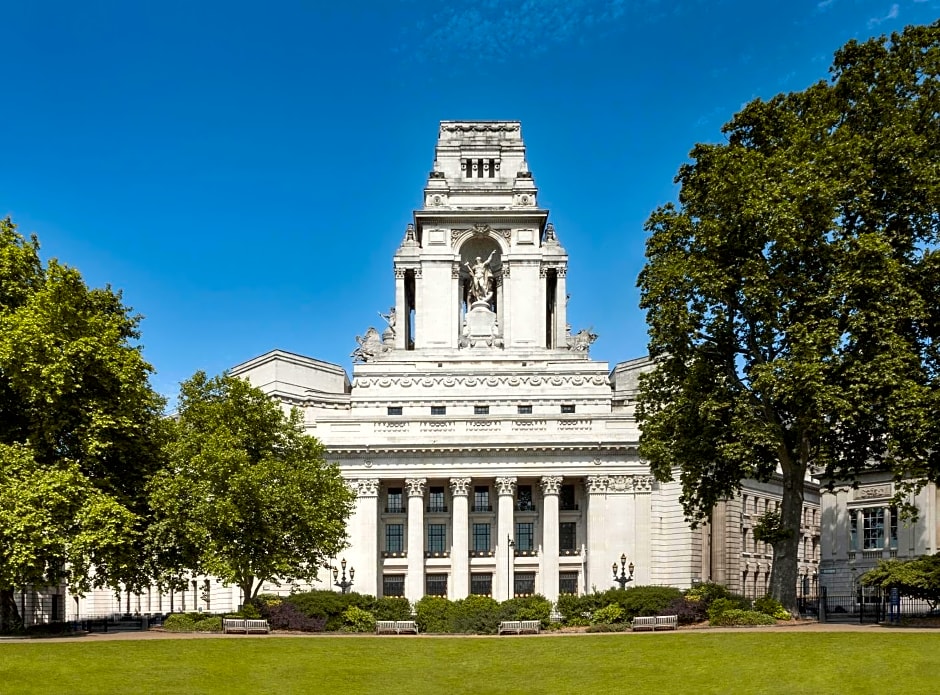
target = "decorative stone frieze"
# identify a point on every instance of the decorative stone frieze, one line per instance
(643, 483)
(460, 487)
(560, 381)
(551, 484)
(479, 127)
(505, 486)
(596, 484)
(415, 486)
(867, 492)
(620, 483)
(367, 487)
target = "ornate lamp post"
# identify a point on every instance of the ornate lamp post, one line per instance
(344, 585)
(623, 579)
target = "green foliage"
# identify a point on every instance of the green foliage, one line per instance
(644, 600)
(477, 615)
(707, 592)
(533, 607)
(918, 578)
(737, 616)
(769, 528)
(722, 605)
(607, 615)
(80, 428)
(433, 614)
(791, 296)
(247, 496)
(250, 611)
(392, 608)
(356, 619)
(179, 622)
(210, 624)
(772, 607)
(573, 607)
(608, 627)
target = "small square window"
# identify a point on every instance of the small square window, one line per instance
(394, 410)
(524, 409)
(481, 410)
(567, 408)
(438, 410)
(435, 585)
(481, 584)
(567, 582)
(393, 585)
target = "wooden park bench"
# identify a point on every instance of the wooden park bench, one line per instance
(234, 625)
(257, 626)
(519, 627)
(396, 627)
(667, 622)
(643, 622)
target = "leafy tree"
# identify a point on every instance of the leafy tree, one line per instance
(792, 295)
(80, 428)
(918, 578)
(247, 495)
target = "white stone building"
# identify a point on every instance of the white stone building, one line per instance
(490, 453)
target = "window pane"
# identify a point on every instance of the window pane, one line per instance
(524, 409)
(438, 410)
(524, 499)
(524, 583)
(874, 531)
(481, 537)
(395, 500)
(525, 536)
(436, 585)
(481, 410)
(481, 584)
(567, 582)
(393, 585)
(394, 538)
(566, 498)
(436, 500)
(437, 537)
(567, 535)
(481, 498)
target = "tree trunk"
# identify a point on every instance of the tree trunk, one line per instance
(783, 575)
(10, 619)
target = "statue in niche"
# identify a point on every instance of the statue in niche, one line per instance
(370, 346)
(580, 341)
(482, 277)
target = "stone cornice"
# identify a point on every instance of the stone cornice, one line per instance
(566, 381)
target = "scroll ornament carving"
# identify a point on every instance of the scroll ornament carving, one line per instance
(460, 487)
(415, 486)
(506, 486)
(596, 484)
(620, 483)
(643, 483)
(873, 491)
(367, 487)
(479, 127)
(551, 484)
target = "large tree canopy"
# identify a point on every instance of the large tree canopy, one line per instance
(792, 296)
(918, 578)
(247, 496)
(79, 428)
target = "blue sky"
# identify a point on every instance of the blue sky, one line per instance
(243, 172)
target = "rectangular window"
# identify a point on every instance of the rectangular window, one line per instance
(481, 410)
(394, 538)
(437, 538)
(393, 585)
(481, 584)
(853, 530)
(394, 410)
(567, 408)
(438, 410)
(525, 536)
(436, 500)
(481, 538)
(524, 409)
(524, 583)
(894, 529)
(435, 585)
(874, 531)
(396, 501)
(567, 536)
(524, 499)
(481, 499)
(567, 582)
(566, 499)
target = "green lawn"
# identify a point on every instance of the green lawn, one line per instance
(743, 662)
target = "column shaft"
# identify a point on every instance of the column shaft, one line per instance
(505, 557)
(460, 547)
(414, 584)
(550, 488)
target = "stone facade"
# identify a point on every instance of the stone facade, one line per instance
(489, 452)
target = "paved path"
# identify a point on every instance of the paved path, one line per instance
(800, 626)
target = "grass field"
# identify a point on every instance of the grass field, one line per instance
(676, 663)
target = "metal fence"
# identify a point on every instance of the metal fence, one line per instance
(864, 605)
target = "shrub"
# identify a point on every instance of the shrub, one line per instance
(772, 607)
(179, 622)
(607, 615)
(686, 610)
(573, 608)
(432, 614)
(286, 616)
(392, 608)
(250, 610)
(644, 600)
(356, 619)
(329, 605)
(474, 615)
(707, 592)
(526, 608)
(607, 627)
(212, 624)
(736, 616)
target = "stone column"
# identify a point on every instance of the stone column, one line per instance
(460, 547)
(859, 531)
(506, 489)
(551, 485)
(561, 308)
(887, 529)
(598, 557)
(363, 531)
(401, 314)
(414, 584)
